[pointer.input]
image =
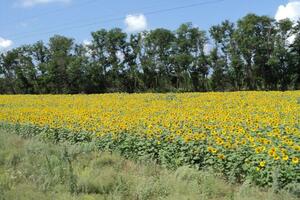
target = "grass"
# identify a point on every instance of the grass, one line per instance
(33, 170)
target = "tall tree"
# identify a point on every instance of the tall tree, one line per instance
(98, 65)
(257, 53)
(40, 56)
(25, 71)
(295, 55)
(8, 66)
(77, 69)
(132, 67)
(254, 36)
(226, 59)
(190, 64)
(280, 56)
(60, 55)
(115, 49)
(222, 36)
(157, 48)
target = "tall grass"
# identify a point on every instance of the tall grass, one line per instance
(33, 170)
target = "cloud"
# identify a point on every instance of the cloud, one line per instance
(5, 43)
(291, 10)
(86, 42)
(135, 23)
(31, 3)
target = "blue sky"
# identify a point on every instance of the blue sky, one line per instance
(27, 21)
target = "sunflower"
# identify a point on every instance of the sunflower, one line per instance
(295, 160)
(285, 157)
(262, 163)
(221, 156)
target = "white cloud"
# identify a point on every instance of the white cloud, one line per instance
(291, 10)
(31, 3)
(5, 43)
(135, 23)
(86, 42)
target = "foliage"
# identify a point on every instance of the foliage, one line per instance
(256, 53)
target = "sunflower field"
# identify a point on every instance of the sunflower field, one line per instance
(243, 135)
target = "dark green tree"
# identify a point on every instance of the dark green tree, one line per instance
(132, 67)
(254, 37)
(256, 53)
(155, 58)
(60, 56)
(295, 56)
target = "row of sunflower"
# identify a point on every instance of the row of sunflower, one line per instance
(252, 135)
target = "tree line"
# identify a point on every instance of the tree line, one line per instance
(255, 53)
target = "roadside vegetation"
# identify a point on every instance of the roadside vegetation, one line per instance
(35, 170)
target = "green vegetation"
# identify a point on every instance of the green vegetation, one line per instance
(252, 54)
(31, 169)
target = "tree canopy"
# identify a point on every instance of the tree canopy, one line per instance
(255, 53)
